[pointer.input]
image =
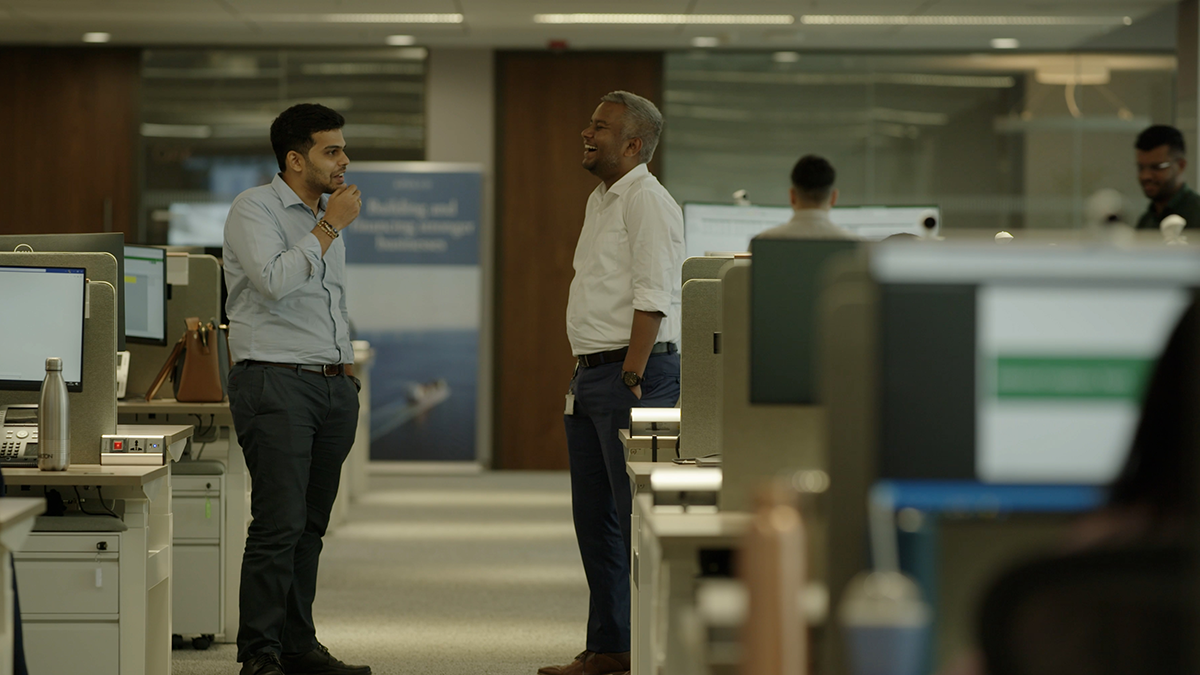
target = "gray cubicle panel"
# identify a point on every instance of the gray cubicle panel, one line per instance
(758, 441)
(700, 360)
(201, 297)
(704, 267)
(93, 411)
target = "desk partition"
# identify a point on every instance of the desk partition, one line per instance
(200, 297)
(94, 409)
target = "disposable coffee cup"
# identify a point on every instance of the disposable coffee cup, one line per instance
(885, 624)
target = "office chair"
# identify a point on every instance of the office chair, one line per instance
(1125, 612)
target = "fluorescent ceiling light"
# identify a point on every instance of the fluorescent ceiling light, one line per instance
(946, 20)
(786, 57)
(177, 130)
(359, 18)
(706, 42)
(1081, 72)
(96, 38)
(401, 40)
(1005, 43)
(669, 19)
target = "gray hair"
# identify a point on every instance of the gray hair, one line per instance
(641, 120)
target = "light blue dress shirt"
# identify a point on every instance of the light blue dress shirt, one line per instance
(286, 303)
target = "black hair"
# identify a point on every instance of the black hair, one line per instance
(813, 178)
(294, 129)
(1158, 135)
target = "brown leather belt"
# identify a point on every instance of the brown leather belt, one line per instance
(329, 370)
(601, 358)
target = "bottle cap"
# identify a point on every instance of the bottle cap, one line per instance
(53, 363)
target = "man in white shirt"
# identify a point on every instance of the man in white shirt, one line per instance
(812, 195)
(623, 322)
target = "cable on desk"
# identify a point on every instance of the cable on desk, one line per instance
(100, 494)
(79, 500)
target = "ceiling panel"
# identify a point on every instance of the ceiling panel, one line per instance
(509, 23)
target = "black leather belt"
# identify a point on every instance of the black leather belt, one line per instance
(330, 370)
(612, 356)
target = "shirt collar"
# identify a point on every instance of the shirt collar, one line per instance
(620, 186)
(1176, 199)
(811, 216)
(289, 197)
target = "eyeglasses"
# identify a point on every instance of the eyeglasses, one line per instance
(1161, 166)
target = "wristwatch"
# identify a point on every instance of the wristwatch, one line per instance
(630, 378)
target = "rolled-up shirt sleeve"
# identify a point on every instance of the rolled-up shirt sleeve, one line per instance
(257, 239)
(655, 227)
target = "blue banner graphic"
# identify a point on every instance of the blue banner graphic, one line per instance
(414, 291)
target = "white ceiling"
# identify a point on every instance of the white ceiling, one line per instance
(509, 23)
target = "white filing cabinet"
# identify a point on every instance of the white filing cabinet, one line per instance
(69, 584)
(198, 601)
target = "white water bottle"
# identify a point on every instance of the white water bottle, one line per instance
(54, 429)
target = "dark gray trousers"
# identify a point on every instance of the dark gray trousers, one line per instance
(295, 429)
(601, 497)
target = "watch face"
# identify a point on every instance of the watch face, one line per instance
(631, 379)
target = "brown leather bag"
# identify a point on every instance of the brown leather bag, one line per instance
(198, 379)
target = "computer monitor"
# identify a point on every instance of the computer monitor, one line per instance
(725, 228)
(91, 242)
(785, 285)
(146, 294)
(1019, 366)
(44, 316)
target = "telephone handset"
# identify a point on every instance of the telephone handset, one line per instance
(19, 435)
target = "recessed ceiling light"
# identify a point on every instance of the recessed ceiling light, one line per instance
(786, 57)
(668, 19)
(401, 40)
(358, 18)
(96, 37)
(706, 42)
(966, 20)
(1005, 43)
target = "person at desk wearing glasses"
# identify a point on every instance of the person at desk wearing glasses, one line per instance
(292, 391)
(812, 195)
(623, 322)
(1161, 161)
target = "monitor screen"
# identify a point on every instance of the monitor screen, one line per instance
(101, 242)
(1031, 376)
(146, 294)
(44, 315)
(724, 228)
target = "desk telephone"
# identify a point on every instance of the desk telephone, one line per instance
(19, 435)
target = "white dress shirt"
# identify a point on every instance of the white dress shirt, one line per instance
(287, 303)
(807, 224)
(629, 256)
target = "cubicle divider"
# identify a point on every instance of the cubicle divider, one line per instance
(700, 364)
(93, 411)
(199, 297)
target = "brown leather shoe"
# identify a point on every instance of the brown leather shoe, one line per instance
(592, 663)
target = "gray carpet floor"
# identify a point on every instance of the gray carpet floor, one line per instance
(440, 575)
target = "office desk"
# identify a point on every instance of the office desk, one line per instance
(235, 495)
(16, 521)
(664, 570)
(144, 573)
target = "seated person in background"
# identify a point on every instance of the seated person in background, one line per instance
(1161, 162)
(812, 195)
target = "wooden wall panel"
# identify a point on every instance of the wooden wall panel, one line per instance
(545, 101)
(71, 121)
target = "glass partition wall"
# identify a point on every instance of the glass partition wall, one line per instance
(999, 141)
(206, 116)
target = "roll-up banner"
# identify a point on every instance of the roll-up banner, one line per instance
(414, 291)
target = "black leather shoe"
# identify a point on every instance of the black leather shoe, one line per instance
(266, 663)
(320, 662)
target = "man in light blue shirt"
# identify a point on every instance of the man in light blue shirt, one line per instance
(292, 391)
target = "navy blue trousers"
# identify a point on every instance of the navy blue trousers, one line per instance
(295, 430)
(601, 499)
